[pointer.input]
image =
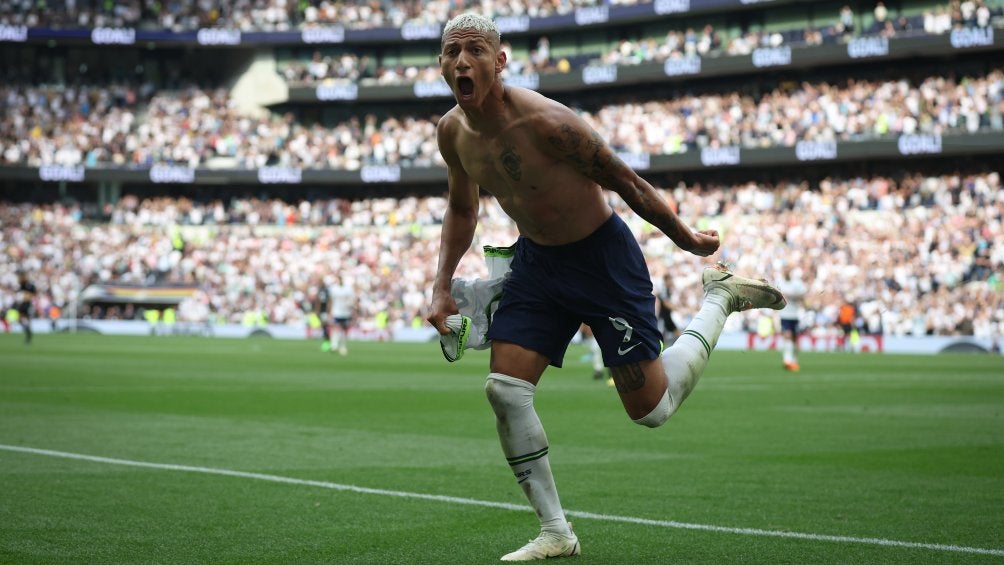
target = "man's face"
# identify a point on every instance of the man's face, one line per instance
(470, 64)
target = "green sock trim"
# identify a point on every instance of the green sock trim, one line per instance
(494, 251)
(700, 338)
(526, 458)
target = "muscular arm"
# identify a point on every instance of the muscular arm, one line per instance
(567, 137)
(459, 222)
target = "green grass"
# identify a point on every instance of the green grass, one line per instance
(898, 448)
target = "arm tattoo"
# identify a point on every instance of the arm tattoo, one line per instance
(602, 167)
(587, 157)
(628, 378)
(511, 162)
(567, 141)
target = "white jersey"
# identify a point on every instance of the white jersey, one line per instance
(342, 298)
(794, 290)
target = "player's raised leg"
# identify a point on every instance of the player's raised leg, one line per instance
(684, 362)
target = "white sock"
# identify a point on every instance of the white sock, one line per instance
(597, 354)
(789, 351)
(685, 361)
(525, 447)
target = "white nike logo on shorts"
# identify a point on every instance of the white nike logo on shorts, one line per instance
(622, 351)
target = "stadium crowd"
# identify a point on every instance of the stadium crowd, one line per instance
(916, 255)
(350, 67)
(336, 64)
(283, 15)
(266, 15)
(197, 127)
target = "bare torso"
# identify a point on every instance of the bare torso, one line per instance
(550, 201)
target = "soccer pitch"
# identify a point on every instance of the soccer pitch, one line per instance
(187, 450)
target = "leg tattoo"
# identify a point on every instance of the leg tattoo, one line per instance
(628, 378)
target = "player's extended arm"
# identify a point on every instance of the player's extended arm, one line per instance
(568, 137)
(459, 222)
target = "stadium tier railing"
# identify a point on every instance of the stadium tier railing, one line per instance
(904, 146)
(587, 16)
(869, 48)
(763, 59)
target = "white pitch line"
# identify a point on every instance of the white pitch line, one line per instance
(505, 505)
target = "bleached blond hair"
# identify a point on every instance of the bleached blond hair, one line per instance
(475, 22)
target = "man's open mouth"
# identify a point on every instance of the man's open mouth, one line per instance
(465, 86)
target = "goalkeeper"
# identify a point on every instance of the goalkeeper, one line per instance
(575, 262)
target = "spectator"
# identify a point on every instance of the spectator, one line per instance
(845, 25)
(202, 127)
(922, 253)
(881, 15)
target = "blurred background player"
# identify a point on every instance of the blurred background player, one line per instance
(322, 307)
(25, 303)
(664, 307)
(342, 301)
(846, 316)
(595, 354)
(794, 290)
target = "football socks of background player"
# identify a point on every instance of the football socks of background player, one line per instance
(788, 354)
(596, 358)
(336, 344)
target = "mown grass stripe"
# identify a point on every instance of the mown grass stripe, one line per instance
(506, 506)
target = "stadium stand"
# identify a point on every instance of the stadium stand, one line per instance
(248, 149)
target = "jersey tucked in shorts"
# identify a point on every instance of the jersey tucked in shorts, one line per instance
(601, 280)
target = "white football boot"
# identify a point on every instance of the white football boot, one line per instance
(741, 292)
(546, 546)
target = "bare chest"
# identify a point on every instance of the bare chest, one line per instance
(505, 165)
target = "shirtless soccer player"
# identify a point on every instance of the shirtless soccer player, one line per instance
(574, 262)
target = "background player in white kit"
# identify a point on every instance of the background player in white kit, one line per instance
(343, 299)
(794, 289)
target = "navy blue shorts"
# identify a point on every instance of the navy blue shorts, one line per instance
(601, 280)
(789, 325)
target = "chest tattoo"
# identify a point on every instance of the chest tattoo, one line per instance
(511, 162)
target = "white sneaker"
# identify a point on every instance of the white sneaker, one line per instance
(546, 546)
(742, 293)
